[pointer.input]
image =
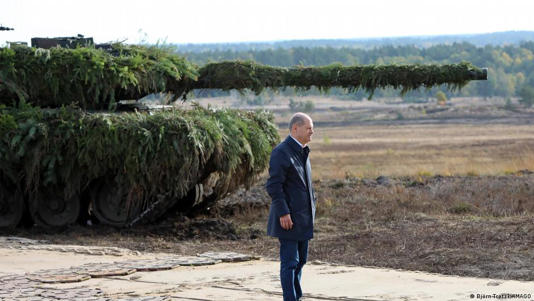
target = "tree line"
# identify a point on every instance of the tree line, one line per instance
(480, 40)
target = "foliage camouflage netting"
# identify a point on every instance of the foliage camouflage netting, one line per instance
(148, 155)
(92, 78)
(96, 78)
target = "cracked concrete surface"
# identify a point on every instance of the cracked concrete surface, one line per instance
(252, 279)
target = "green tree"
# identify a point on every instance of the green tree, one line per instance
(309, 106)
(300, 106)
(527, 96)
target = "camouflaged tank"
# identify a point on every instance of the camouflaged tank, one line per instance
(67, 152)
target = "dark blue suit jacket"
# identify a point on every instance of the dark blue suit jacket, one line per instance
(290, 188)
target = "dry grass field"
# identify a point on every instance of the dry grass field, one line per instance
(385, 137)
(430, 149)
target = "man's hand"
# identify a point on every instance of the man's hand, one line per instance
(286, 222)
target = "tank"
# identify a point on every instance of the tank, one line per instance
(67, 153)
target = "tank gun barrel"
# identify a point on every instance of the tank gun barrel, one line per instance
(242, 75)
(481, 74)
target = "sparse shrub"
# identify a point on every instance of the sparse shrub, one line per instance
(309, 106)
(257, 100)
(461, 208)
(415, 183)
(400, 116)
(349, 175)
(508, 105)
(293, 105)
(414, 99)
(325, 207)
(446, 173)
(472, 173)
(424, 174)
(441, 97)
(300, 106)
(337, 184)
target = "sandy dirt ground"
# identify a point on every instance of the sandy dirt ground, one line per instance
(254, 280)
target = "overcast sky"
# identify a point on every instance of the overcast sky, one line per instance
(205, 21)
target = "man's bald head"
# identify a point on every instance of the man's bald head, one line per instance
(298, 119)
(301, 127)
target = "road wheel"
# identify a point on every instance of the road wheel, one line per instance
(112, 205)
(52, 209)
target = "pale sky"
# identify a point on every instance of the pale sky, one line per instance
(209, 21)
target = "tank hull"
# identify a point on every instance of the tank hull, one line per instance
(126, 168)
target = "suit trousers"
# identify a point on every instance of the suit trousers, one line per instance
(293, 256)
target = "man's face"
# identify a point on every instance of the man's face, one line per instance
(303, 133)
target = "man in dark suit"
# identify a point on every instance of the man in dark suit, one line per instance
(292, 211)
